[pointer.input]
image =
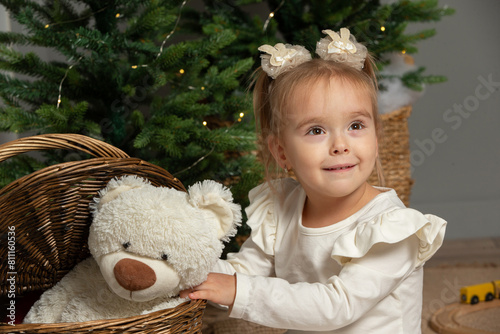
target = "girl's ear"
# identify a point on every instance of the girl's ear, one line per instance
(277, 150)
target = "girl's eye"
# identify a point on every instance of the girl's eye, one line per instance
(356, 126)
(315, 131)
(164, 257)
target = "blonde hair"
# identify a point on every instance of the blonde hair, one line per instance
(272, 97)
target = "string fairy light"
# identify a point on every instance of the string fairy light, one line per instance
(168, 36)
(205, 124)
(59, 97)
(195, 163)
(271, 15)
(48, 25)
(118, 15)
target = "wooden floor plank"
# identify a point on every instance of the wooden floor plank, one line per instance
(467, 251)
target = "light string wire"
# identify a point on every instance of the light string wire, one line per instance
(271, 15)
(195, 163)
(169, 35)
(59, 97)
(146, 65)
(213, 147)
(48, 25)
(76, 20)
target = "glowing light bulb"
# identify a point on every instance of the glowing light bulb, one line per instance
(204, 123)
(382, 28)
(181, 71)
(242, 114)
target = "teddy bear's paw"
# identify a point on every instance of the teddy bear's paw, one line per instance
(168, 303)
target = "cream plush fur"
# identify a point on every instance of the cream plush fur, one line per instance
(147, 244)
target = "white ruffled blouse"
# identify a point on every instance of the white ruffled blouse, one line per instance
(361, 275)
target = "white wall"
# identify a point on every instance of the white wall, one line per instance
(457, 172)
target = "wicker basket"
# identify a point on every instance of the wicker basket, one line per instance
(394, 152)
(49, 210)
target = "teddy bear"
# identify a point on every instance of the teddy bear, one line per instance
(147, 243)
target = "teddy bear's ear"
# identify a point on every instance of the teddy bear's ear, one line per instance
(118, 185)
(217, 201)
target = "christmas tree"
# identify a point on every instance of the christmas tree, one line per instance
(166, 80)
(125, 82)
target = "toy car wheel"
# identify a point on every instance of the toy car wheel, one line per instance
(489, 296)
(474, 300)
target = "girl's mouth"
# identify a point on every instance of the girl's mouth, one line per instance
(340, 168)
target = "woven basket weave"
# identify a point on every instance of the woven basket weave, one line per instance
(394, 152)
(49, 210)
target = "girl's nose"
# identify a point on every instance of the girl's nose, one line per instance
(339, 151)
(339, 146)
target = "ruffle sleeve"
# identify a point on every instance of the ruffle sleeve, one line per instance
(392, 227)
(261, 217)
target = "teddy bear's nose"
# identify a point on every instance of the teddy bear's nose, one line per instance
(134, 275)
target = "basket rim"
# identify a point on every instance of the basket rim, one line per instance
(69, 141)
(68, 166)
(403, 112)
(188, 306)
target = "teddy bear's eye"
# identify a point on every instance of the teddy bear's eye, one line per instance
(126, 244)
(164, 257)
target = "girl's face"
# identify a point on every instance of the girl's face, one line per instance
(329, 140)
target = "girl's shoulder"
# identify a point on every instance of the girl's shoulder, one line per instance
(273, 193)
(277, 189)
(268, 202)
(391, 226)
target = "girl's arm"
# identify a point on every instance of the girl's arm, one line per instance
(250, 260)
(220, 286)
(274, 302)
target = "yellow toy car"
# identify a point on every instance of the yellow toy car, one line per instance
(474, 294)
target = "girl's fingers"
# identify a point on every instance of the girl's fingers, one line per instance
(198, 295)
(218, 288)
(185, 293)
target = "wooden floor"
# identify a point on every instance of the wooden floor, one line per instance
(467, 251)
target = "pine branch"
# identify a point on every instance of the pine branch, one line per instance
(29, 64)
(18, 120)
(149, 21)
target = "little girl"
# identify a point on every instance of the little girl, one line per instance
(328, 251)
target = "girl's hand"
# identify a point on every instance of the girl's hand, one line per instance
(218, 288)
